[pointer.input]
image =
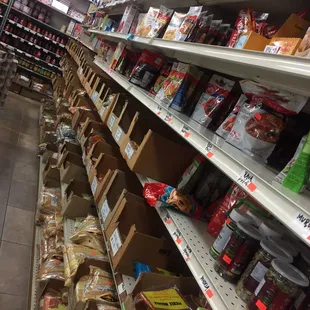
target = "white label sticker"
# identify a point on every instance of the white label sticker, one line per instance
(19, 26)
(40, 35)
(209, 147)
(185, 131)
(129, 150)
(94, 96)
(105, 210)
(101, 111)
(14, 36)
(158, 110)
(259, 272)
(247, 179)
(204, 284)
(187, 252)
(168, 118)
(83, 157)
(45, 51)
(121, 288)
(32, 31)
(260, 285)
(301, 225)
(112, 121)
(30, 43)
(115, 241)
(118, 134)
(272, 49)
(94, 185)
(88, 167)
(177, 236)
(27, 54)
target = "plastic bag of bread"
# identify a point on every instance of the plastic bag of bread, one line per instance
(52, 223)
(100, 286)
(75, 255)
(50, 302)
(80, 287)
(52, 268)
(50, 200)
(59, 240)
(89, 224)
(89, 240)
(48, 246)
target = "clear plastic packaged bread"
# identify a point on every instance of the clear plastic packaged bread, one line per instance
(52, 268)
(50, 200)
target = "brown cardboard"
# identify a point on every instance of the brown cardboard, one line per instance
(102, 166)
(72, 167)
(154, 281)
(117, 112)
(294, 27)
(68, 147)
(153, 155)
(80, 116)
(252, 41)
(51, 171)
(107, 104)
(288, 46)
(85, 129)
(51, 150)
(73, 203)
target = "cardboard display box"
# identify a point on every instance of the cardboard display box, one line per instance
(68, 147)
(108, 103)
(73, 203)
(50, 151)
(114, 195)
(72, 167)
(85, 129)
(117, 111)
(51, 172)
(153, 155)
(252, 41)
(80, 116)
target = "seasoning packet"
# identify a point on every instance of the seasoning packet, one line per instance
(137, 24)
(203, 29)
(225, 128)
(211, 100)
(146, 69)
(147, 22)
(174, 25)
(259, 124)
(213, 31)
(162, 19)
(188, 23)
(164, 73)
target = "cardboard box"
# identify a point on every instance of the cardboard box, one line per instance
(99, 173)
(304, 47)
(108, 104)
(287, 46)
(148, 280)
(113, 196)
(136, 234)
(50, 151)
(252, 41)
(294, 27)
(72, 167)
(85, 129)
(80, 116)
(73, 203)
(117, 111)
(51, 172)
(68, 147)
(143, 146)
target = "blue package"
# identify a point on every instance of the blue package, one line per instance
(139, 268)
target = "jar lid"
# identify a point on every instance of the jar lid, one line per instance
(238, 216)
(290, 272)
(305, 253)
(276, 251)
(250, 230)
(285, 245)
(271, 228)
(256, 217)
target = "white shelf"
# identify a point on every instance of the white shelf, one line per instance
(289, 72)
(281, 202)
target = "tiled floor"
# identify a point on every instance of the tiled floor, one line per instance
(19, 133)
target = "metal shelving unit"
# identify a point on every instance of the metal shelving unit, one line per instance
(34, 72)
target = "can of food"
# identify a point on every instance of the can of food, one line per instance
(258, 267)
(240, 249)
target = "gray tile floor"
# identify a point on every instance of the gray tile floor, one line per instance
(19, 133)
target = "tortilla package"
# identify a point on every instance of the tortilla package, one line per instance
(162, 19)
(259, 124)
(174, 25)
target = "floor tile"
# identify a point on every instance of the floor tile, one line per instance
(27, 141)
(12, 124)
(8, 135)
(7, 150)
(23, 195)
(6, 170)
(18, 226)
(25, 172)
(13, 302)
(15, 262)
(2, 217)
(26, 155)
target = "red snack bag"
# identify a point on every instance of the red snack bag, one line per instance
(233, 196)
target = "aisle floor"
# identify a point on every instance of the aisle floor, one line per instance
(19, 135)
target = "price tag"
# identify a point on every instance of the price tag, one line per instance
(83, 158)
(22, 40)
(185, 131)
(10, 21)
(167, 219)
(105, 210)
(50, 65)
(94, 96)
(14, 36)
(37, 58)
(47, 38)
(60, 45)
(121, 288)
(32, 31)
(129, 150)
(88, 167)
(101, 111)
(203, 282)
(158, 110)
(27, 54)
(209, 148)
(187, 252)
(177, 235)
(45, 50)
(40, 35)
(19, 25)
(301, 225)
(94, 185)
(247, 179)
(30, 43)
(272, 49)
(118, 134)
(115, 241)
(168, 118)
(112, 121)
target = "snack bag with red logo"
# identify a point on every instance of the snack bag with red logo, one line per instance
(188, 23)
(211, 100)
(259, 124)
(225, 128)
(162, 19)
(146, 69)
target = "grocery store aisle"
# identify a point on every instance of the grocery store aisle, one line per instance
(19, 134)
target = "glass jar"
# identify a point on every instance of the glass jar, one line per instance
(279, 288)
(285, 245)
(238, 252)
(229, 226)
(258, 267)
(271, 228)
(258, 220)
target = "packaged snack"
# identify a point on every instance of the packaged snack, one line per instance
(162, 19)
(164, 73)
(168, 196)
(117, 54)
(304, 47)
(50, 200)
(185, 86)
(259, 124)
(174, 25)
(52, 268)
(213, 31)
(146, 69)
(52, 301)
(147, 22)
(220, 35)
(123, 61)
(211, 100)
(127, 19)
(188, 23)
(140, 19)
(202, 29)
(225, 128)
(140, 267)
(298, 174)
